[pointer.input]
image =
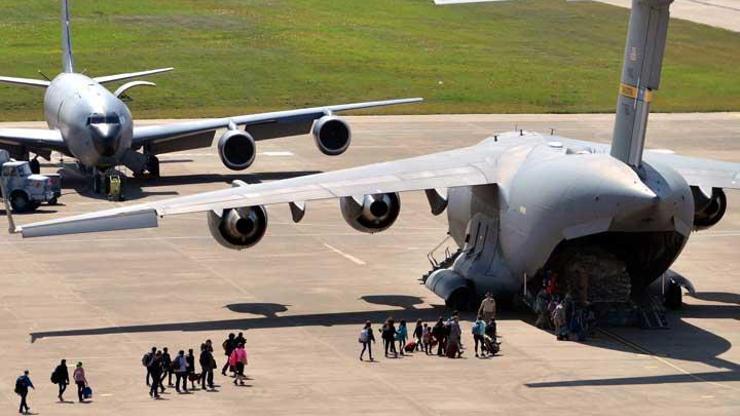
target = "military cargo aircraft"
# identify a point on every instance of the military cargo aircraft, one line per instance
(93, 125)
(518, 204)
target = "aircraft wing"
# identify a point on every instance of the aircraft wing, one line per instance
(704, 173)
(199, 133)
(37, 140)
(461, 167)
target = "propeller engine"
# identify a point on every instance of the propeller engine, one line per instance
(708, 211)
(237, 149)
(332, 135)
(238, 228)
(375, 213)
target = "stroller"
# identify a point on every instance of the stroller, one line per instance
(490, 345)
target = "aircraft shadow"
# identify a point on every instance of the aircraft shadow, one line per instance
(138, 188)
(714, 376)
(270, 319)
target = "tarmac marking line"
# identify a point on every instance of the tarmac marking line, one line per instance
(349, 257)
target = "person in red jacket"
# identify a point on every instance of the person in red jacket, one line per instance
(238, 360)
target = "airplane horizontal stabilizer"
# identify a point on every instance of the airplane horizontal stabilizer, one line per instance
(28, 82)
(130, 75)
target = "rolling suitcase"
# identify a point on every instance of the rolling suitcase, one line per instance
(410, 346)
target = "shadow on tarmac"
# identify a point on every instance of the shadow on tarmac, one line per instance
(133, 188)
(683, 341)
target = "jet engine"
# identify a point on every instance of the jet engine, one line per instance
(238, 228)
(332, 135)
(237, 149)
(708, 211)
(375, 213)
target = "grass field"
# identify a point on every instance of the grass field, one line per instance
(240, 56)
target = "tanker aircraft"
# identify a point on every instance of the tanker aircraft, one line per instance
(92, 124)
(519, 203)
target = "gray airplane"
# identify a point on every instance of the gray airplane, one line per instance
(93, 125)
(519, 204)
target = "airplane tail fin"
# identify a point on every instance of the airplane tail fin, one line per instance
(67, 57)
(643, 61)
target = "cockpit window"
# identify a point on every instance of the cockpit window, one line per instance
(100, 119)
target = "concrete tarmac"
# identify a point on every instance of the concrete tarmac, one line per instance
(719, 13)
(302, 295)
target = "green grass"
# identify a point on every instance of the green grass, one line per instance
(241, 56)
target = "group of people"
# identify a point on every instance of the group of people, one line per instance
(60, 377)
(445, 335)
(571, 319)
(160, 365)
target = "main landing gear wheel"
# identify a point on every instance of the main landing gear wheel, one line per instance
(152, 166)
(673, 295)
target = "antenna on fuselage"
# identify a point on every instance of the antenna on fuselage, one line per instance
(44, 75)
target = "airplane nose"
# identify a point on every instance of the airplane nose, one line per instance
(106, 138)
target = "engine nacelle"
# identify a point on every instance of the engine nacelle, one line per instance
(376, 213)
(238, 228)
(708, 211)
(332, 135)
(237, 149)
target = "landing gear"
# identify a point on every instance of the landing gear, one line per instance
(152, 166)
(35, 165)
(672, 298)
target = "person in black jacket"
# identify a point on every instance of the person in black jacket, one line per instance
(229, 346)
(145, 362)
(166, 368)
(207, 364)
(155, 369)
(191, 368)
(438, 332)
(388, 333)
(61, 378)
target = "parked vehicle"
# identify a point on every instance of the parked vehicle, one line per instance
(26, 191)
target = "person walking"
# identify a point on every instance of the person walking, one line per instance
(418, 335)
(154, 367)
(166, 368)
(207, 365)
(479, 331)
(426, 339)
(402, 335)
(238, 360)
(145, 360)
(60, 376)
(191, 368)
(367, 338)
(438, 332)
(454, 338)
(22, 384)
(487, 309)
(80, 381)
(229, 345)
(181, 372)
(388, 334)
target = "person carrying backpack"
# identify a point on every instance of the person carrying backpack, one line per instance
(155, 368)
(207, 364)
(60, 376)
(367, 338)
(145, 360)
(229, 344)
(22, 384)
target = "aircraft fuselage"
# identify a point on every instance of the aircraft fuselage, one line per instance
(96, 126)
(552, 194)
